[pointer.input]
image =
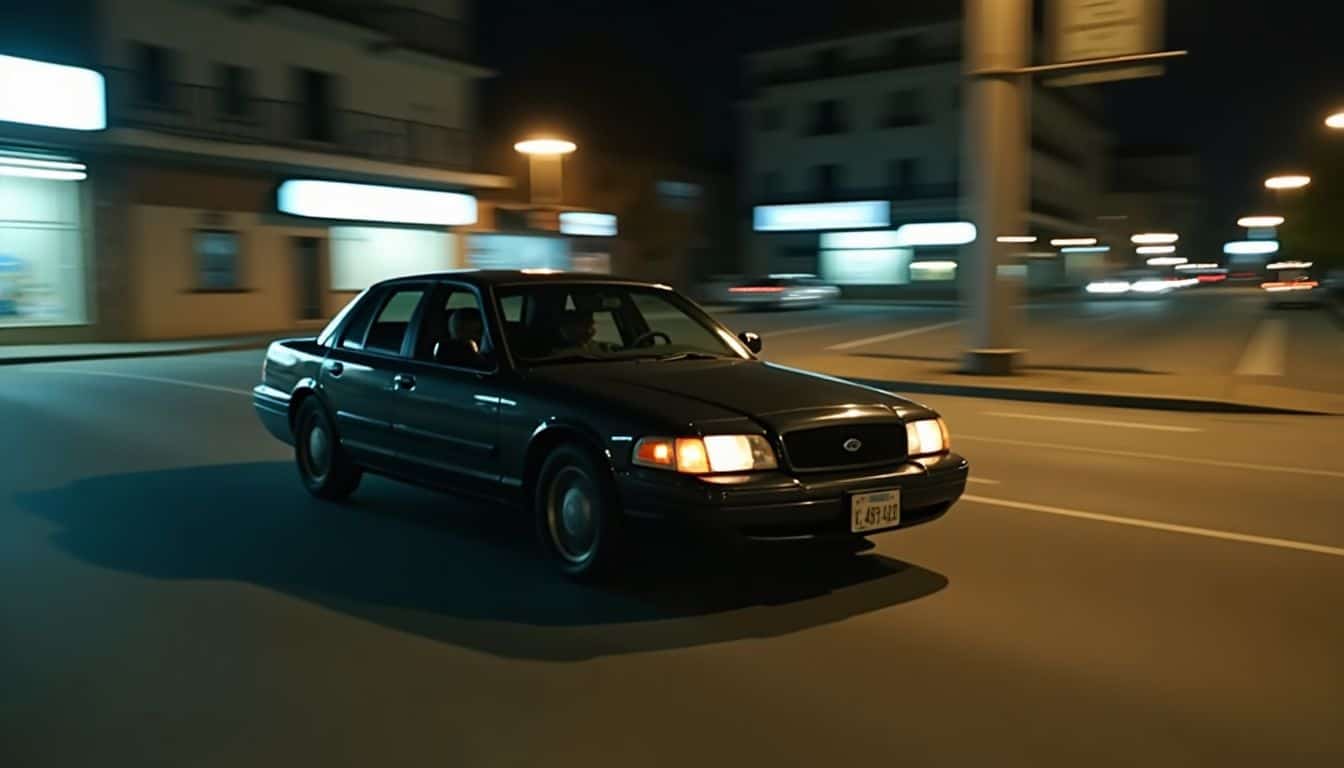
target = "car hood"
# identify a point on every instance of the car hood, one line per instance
(703, 391)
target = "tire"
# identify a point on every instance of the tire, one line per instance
(577, 518)
(324, 468)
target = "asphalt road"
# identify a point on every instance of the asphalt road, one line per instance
(1214, 330)
(1119, 588)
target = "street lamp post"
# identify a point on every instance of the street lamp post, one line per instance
(545, 167)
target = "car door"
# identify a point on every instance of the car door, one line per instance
(360, 376)
(448, 422)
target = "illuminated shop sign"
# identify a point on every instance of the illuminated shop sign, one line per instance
(371, 202)
(51, 95)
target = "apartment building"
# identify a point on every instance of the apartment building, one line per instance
(870, 126)
(233, 167)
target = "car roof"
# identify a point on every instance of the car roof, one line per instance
(483, 277)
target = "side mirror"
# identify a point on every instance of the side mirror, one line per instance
(752, 340)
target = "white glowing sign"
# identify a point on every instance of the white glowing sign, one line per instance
(371, 202)
(858, 215)
(587, 223)
(1251, 247)
(51, 95)
(936, 233)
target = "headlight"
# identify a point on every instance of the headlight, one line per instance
(714, 453)
(926, 436)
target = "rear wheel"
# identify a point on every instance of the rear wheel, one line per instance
(323, 466)
(576, 518)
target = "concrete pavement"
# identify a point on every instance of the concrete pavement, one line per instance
(1121, 588)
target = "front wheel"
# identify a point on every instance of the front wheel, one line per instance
(324, 468)
(576, 517)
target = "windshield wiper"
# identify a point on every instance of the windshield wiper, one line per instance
(575, 357)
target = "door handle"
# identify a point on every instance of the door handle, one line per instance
(335, 368)
(403, 381)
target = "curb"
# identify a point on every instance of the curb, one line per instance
(75, 356)
(1088, 397)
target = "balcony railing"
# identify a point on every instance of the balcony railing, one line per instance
(207, 112)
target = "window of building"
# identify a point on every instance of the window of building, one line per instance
(827, 118)
(771, 118)
(828, 181)
(217, 254)
(902, 109)
(903, 173)
(154, 66)
(235, 90)
(316, 97)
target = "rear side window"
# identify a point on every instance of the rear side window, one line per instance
(392, 321)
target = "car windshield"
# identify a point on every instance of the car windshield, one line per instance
(550, 323)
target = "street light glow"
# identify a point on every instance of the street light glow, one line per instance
(1252, 222)
(1335, 121)
(1154, 238)
(545, 147)
(1058, 241)
(1167, 261)
(1154, 250)
(1292, 181)
(1016, 238)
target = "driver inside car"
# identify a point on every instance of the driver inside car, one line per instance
(577, 330)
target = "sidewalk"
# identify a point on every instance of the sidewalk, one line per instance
(1158, 391)
(16, 354)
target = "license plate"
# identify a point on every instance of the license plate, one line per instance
(874, 511)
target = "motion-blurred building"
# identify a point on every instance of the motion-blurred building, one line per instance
(1155, 189)
(201, 186)
(870, 127)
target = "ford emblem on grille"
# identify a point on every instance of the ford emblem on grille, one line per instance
(852, 445)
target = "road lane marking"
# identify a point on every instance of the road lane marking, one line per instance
(889, 336)
(1158, 456)
(803, 329)
(1208, 533)
(1264, 352)
(137, 377)
(982, 480)
(1099, 422)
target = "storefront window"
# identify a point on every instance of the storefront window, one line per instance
(41, 247)
(216, 260)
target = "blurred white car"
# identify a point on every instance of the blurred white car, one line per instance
(782, 292)
(1290, 283)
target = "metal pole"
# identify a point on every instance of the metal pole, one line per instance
(997, 44)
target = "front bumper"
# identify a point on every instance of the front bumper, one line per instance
(777, 504)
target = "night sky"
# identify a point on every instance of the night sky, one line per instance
(660, 79)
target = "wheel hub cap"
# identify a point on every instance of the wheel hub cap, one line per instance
(318, 448)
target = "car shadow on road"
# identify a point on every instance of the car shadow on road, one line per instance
(454, 571)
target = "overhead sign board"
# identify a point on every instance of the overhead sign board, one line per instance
(1083, 30)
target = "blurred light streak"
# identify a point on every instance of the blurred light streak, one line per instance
(1166, 261)
(1251, 222)
(1292, 181)
(1059, 241)
(1154, 250)
(1154, 238)
(1250, 247)
(856, 215)
(545, 147)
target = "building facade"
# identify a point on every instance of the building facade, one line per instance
(877, 118)
(214, 196)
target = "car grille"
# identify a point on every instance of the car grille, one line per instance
(823, 448)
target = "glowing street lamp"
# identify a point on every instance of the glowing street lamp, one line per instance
(1290, 181)
(545, 164)
(1255, 222)
(1154, 238)
(1335, 121)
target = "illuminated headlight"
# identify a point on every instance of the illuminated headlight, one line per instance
(714, 453)
(926, 437)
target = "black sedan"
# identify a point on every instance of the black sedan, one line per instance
(588, 401)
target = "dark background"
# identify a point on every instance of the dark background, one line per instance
(661, 79)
